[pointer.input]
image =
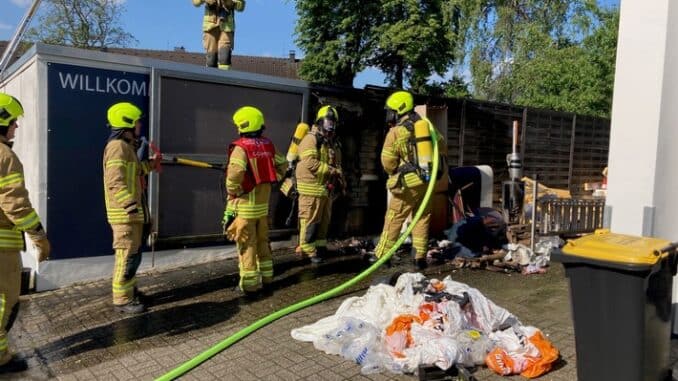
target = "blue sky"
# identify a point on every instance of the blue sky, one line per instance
(266, 27)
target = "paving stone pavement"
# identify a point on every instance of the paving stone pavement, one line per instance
(74, 334)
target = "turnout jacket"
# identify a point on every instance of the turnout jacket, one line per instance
(318, 157)
(254, 203)
(123, 188)
(17, 213)
(219, 13)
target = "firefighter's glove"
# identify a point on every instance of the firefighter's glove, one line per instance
(237, 232)
(335, 172)
(44, 249)
(131, 209)
(41, 245)
(229, 217)
(239, 5)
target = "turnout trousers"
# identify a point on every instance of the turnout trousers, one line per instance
(127, 246)
(254, 252)
(405, 201)
(314, 223)
(10, 287)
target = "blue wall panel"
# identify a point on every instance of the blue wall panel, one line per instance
(78, 99)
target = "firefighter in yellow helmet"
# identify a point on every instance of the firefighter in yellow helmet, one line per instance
(16, 216)
(319, 178)
(126, 206)
(253, 165)
(406, 182)
(218, 28)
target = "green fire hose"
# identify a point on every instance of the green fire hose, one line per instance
(206, 355)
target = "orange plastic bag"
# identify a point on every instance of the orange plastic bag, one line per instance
(548, 354)
(500, 362)
(528, 366)
(400, 326)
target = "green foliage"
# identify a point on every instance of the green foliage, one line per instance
(556, 54)
(406, 39)
(337, 38)
(82, 24)
(414, 41)
(454, 88)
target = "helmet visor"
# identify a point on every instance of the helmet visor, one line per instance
(329, 125)
(391, 117)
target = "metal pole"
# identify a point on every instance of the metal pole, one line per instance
(14, 42)
(533, 229)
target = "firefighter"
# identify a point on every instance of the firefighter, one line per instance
(16, 216)
(218, 27)
(126, 207)
(407, 180)
(319, 179)
(253, 165)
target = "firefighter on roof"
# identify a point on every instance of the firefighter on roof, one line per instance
(218, 28)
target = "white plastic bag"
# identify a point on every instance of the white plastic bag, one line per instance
(474, 346)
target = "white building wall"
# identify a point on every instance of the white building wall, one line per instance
(636, 109)
(643, 162)
(666, 175)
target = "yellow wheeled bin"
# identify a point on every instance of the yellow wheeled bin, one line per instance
(620, 286)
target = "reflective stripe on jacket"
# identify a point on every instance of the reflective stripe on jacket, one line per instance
(253, 204)
(313, 170)
(260, 163)
(122, 183)
(212, 14)
(396, 153)
(17, 212)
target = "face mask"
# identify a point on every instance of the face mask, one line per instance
(391, 117)
(328, 125)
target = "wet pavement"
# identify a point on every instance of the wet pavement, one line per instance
(74, 334)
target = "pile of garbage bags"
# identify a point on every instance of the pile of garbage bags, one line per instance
(422, 321)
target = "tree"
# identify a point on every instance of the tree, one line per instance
(409, 40)
(556, 54)
(414, 41)
(81, 23)
(337, 38)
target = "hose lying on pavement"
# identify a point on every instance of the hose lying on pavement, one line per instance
(206, 355)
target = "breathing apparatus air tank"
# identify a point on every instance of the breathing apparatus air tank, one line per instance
(424, 146)
(299, 133)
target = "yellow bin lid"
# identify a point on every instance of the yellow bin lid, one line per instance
(619, 248)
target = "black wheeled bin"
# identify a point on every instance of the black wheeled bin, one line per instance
(620, 287)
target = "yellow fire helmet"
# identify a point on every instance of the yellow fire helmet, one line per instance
(123, 115)
(10, 109)
(248, 119)
(401, 102)
(328, 112)
(327, 118)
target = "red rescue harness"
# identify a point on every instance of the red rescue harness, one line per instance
(260, 161)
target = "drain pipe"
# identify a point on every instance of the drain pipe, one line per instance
(219, 347)
(533, 228)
